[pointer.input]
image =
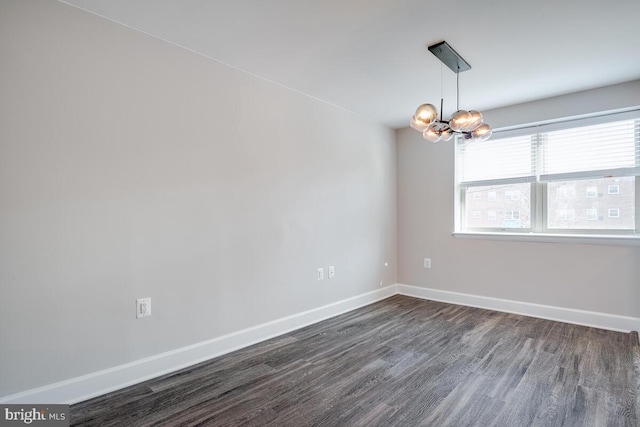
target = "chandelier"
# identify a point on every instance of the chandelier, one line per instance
(467, 124)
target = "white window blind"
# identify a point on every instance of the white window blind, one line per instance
(497, 159)
(587, 151)
(608, 149)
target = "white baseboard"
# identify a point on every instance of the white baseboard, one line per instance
(97, 383)
(568, 315)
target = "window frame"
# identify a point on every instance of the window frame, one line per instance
(538, 192)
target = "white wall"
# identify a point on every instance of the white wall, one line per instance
(132, 168)
(587, 277)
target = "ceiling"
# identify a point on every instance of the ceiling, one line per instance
(370, 56)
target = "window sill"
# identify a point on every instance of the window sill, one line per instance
(592, 239)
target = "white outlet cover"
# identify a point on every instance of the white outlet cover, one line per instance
(143, 307)
(331, 272)
(320, 274)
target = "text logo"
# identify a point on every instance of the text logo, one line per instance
(36, 415)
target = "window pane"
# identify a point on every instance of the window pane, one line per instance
(498, 206)
(589, 204)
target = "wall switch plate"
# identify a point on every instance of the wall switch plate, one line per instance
(320, 274)
(143, 307)
(427, 263)
(331, 272)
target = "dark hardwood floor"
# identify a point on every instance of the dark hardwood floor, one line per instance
(399, 362)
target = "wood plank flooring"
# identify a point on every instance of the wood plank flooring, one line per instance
(399, 362)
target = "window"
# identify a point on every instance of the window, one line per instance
(592, 192)
(566, 215)
(477, 196)
(592, 214)
(477, 214)
(581, 202)
(565, 192)
(552, 178)
(512, 215)
(512, 195)
(488, 205)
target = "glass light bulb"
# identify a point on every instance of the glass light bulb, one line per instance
(446, 134)
(432, 133)
(418, 125)
(426, 114)
(459, 120)
(482, 132)
(475, 121)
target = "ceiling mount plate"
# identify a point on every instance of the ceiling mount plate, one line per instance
(449, 57)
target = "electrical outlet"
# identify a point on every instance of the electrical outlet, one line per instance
(320, 274)
(427, 263)
(331, 272)
(143, 307)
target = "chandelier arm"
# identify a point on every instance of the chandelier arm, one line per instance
(458, 89)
